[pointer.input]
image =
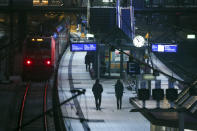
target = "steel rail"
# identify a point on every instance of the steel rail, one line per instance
(21, 124)
(22, 107)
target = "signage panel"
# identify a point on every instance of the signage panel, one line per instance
(83, 47)
(148, 77)
(170, 48)
(154, 48)
(89, 47)
(164, 48)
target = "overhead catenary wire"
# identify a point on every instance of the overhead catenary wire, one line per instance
(86, 106)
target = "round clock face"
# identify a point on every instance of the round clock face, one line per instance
(138, 41)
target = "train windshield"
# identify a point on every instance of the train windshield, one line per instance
(39, 44)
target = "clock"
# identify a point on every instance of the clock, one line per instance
(138, 41)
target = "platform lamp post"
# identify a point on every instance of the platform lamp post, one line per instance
(147, 56)
(88, 15)
(138, 41)
(98, 61)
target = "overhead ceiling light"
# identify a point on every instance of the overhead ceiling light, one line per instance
(107, 1)
(191, 36)
(90, 35)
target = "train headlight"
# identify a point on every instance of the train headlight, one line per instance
(28, 62)
(48, 62)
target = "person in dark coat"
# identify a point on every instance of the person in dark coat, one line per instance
(97, 90)
(87, 61)
(119, 88)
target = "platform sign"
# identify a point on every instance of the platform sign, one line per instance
(148, 77)
(83, 47)
(90, 47)
(164, 48)
(76, 47)
(170, 48)
(157, 48)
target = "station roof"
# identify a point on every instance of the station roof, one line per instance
(115, 37)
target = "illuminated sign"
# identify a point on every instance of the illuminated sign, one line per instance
(38, 39)
(148, 77)
(40, 3)
(191, 36)
(170, 48)
(83, 47)
(164, 48)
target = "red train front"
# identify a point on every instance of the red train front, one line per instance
(39, 57)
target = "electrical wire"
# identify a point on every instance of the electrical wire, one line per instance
(86, 106)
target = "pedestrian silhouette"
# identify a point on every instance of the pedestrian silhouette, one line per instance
(87, 61)
(119, 88)
(97, 90)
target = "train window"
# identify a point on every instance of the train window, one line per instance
(38, 44)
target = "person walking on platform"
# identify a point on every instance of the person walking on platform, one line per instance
(97, 90)
(87, 61)
(119, 88)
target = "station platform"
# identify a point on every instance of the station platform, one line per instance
(72, 74)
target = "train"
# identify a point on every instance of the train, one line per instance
(40, 57)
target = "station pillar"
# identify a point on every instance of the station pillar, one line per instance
(121, 64)
(98, 62)
(109, 60)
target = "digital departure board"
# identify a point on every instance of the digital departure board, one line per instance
(164, 48)
(83, 47)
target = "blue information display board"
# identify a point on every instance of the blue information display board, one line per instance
(170, 48)
(164, 48)
(83, 47)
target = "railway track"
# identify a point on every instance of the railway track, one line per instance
(33, 108)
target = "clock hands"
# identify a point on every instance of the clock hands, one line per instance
(138, 41)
